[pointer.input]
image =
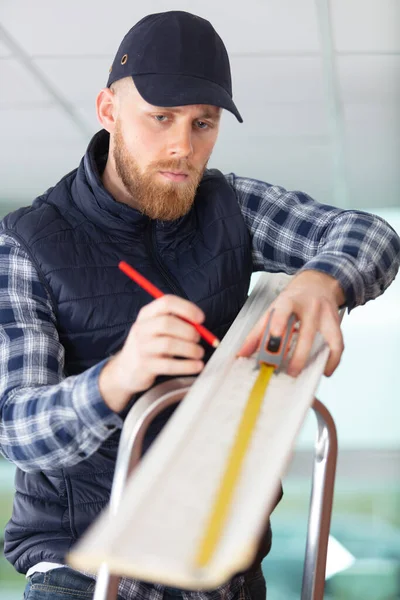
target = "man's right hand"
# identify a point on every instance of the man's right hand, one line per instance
(154, 340)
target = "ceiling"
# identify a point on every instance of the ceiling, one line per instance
(317, 83)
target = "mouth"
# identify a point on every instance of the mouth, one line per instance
(174, 176)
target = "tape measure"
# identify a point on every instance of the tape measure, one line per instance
(272, 353)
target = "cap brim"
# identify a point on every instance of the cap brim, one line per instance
(162, 89)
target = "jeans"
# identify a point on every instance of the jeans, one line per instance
(67, 584)
(60, 584)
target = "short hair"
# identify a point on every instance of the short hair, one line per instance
(122, 86)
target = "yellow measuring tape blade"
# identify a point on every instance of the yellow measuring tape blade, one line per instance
(220, 510)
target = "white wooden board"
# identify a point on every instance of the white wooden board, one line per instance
(169, 497)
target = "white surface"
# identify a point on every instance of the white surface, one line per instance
(63, 73)
(366, 25)
(4, 50)
(370, 80)
(338, 558)
(19, 86)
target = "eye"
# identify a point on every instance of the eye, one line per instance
(202, 125)
(160, 118)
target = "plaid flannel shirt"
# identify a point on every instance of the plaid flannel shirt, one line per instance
(49, 420)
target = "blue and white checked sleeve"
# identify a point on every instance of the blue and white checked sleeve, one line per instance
(47, 420)
(290, 232)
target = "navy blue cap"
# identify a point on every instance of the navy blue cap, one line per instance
(175, 59)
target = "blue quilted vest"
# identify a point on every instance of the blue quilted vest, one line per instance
(76, 234)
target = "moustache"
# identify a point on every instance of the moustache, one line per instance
(175, 166)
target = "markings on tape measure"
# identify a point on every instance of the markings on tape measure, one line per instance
(221, 506)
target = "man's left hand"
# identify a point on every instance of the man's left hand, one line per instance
(314, 297)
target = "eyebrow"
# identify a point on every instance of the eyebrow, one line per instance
(206, 114)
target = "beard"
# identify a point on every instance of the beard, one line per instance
(165, 201)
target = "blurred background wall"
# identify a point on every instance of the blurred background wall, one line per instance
(318, 86)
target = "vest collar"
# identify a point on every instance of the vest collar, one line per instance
(92, 197)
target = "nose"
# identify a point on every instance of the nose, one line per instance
(181, 141)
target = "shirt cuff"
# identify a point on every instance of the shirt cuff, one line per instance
(90, 406)
(343, 269)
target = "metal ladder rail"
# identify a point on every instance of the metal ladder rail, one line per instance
(320, 511)
(325, 455)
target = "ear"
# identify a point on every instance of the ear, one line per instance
(106, 109)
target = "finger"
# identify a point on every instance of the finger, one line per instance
(330, 330)
(305, 340)
(279, 321)
(252, 342)
(169, 346)
(279, 313)
(280, 316)
(171, 326)
(170, 366)
(175, 305)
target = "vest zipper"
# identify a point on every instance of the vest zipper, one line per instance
(174, 285)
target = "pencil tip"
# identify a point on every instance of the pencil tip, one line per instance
(216, 343)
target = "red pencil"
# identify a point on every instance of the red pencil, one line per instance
(156, 293)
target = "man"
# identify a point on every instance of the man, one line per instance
(80, 342)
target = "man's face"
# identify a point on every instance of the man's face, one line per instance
(160, 154)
